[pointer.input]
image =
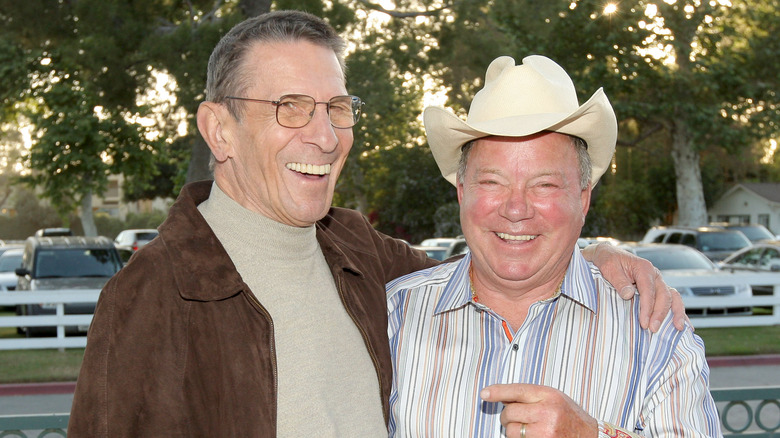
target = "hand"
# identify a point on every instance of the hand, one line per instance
(625, 270)
(545, 412)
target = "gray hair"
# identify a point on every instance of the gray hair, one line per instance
(579, 145)
(227, 75)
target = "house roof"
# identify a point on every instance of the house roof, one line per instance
(770, 191)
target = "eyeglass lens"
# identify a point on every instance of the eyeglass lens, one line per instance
(296, 110)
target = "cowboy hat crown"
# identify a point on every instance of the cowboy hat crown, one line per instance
(520, 100)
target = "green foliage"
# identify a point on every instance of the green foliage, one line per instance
(60, 60)
(77, 148)
(390, 174)
(83, 73)
(30, 215)
(717, 93)
(111, 226)
(13, 70)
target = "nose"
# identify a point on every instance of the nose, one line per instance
(516, 206)
(320, 131)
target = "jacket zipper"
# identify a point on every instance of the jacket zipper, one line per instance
(263, 310)
(371, 352)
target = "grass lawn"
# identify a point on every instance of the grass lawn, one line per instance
(740, 341)
(22, 366)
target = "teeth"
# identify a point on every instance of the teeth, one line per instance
(512, 237)
(311, 169)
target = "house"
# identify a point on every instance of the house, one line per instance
(753, 203)
(112, 203)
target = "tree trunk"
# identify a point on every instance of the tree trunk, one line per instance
(692, 210)
(199, 161)
(87, 219)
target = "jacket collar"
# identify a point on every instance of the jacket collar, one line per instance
(202, 268)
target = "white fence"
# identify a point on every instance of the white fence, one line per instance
(59, 298)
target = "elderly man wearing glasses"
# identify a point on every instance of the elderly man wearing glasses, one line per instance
(259, 311)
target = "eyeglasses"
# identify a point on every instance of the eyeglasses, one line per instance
(296, 110)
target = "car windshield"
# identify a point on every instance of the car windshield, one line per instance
(436, 252)
(722, 241)
(748, 258)
(76, 262)
(667, 259)
(755, 233)
(145, 236)
(9, 262)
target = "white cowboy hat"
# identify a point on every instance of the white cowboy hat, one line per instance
(520, 100)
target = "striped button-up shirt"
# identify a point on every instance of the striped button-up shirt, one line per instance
(586, 341)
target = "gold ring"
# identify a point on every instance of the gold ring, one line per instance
(522, 431)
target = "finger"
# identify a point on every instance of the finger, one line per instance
(515, 430)
(678, 309)
(510, 393)
(649, 285)
(663, 303)
(604, 256)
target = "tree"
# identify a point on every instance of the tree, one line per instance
(80, 95)
(690, 74)
(390, 174)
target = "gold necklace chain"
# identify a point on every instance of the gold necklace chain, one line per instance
(474, 296)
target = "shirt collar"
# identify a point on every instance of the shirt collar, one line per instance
(578, 284)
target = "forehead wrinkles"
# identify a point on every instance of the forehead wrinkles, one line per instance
(290, 71)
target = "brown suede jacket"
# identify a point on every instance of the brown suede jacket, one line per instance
(180, 347)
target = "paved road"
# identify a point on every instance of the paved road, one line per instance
(57, 398)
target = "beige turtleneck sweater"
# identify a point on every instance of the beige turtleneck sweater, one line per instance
(327, 384)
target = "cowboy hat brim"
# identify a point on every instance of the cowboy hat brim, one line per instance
(594, 122)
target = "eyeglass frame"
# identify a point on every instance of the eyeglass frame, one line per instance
(276, 103)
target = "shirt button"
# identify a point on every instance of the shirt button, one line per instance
(515, 347)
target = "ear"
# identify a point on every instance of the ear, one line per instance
(585, 200)
(213, 124)
(459, 187)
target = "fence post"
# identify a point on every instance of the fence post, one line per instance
(60, 327)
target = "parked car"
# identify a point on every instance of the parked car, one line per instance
(458, 247)
(10, 260)
(439, 241)
(590, 240)
(135, 238)
(760, 257)
(125, 252)
(52, 263)
(50, 232)
(714, 242)
(694, 275)
(6, 247)
(754, 232)
(434, 252)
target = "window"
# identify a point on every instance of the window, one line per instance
(77, 262)
(674, 238)
(688, 239)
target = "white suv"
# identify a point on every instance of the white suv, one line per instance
(715, 242)
(135, 238)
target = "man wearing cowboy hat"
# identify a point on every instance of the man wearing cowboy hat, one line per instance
(522, 337)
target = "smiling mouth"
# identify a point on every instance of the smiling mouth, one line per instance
(511, 237)
(309, 169)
